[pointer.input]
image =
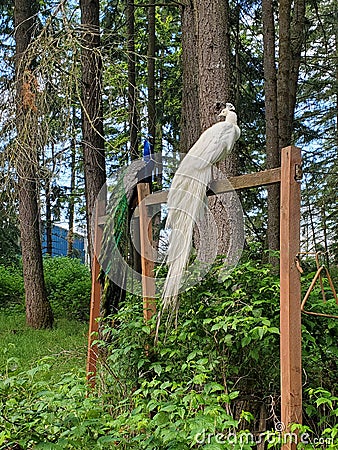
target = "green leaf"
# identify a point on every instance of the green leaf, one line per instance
(161, 418)
(107, 440)
(168, 408)
(140, 363)
(324, 400)
(213, 387)
(246, 340)
(157, 368)
(233, 395)
(3, 436)
(273, 330)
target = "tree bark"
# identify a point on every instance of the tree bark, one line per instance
(271, 120)
(284, 113)
(297, 36)
(214, 90)
(213, 51)
(280, 112)
(92, 111)
(151, 75)
(190, 117)
(71, 202)
(38, 311)
(132, 97)
(237, 46)
(49, 224)
(291, 39)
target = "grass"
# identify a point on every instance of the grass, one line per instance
(21, 346)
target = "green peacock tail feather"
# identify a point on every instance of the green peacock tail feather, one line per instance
(115, 248)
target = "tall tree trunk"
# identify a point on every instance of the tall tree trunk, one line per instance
(284, 118)
(238, 69)
(71, 202)
(291, 39)
(132, 97)
(190, 118)
(213, 50)
(271, 120)
(92, 114)
(38, 310)
(48, 227)
(280, 93)
(297, 37)
(151, 75)
(156, 141)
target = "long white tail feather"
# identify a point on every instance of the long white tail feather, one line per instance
(187, 200)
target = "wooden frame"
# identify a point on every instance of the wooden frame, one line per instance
(147, 260)
(95, 297)
(288, 175)
(290, 292)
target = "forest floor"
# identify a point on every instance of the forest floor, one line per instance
(64, 346)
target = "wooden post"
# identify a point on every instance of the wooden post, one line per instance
(290, 294)
(147, 260)
(95, 297)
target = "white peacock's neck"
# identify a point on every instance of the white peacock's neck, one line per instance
(231, 117)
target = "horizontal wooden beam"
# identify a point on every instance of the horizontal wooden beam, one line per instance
(246, 181)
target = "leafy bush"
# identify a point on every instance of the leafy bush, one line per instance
(9, 233)
(68, 285)
(11, 285)
(37, 413)
(200, 387)
(212, 373)
(205, 377)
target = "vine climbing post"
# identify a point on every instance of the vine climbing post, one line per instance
(290, 294)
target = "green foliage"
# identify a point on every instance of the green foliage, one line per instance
(9, 231)
(9, 240)
(36, 413)
(220, 360)
(324, 411)
(11, 285)
(193, 382)
(68, 285)
(201, 387)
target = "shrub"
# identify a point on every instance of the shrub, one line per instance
(68, 285)
(193, 390)
(36, 412)
(215, 370)
(11, 286)
(207, 375)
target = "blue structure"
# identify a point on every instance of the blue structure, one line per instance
(60, 244)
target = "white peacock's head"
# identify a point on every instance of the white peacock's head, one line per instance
(230, 107)
(223, 113)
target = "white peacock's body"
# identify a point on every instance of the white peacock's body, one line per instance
(187, 196)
